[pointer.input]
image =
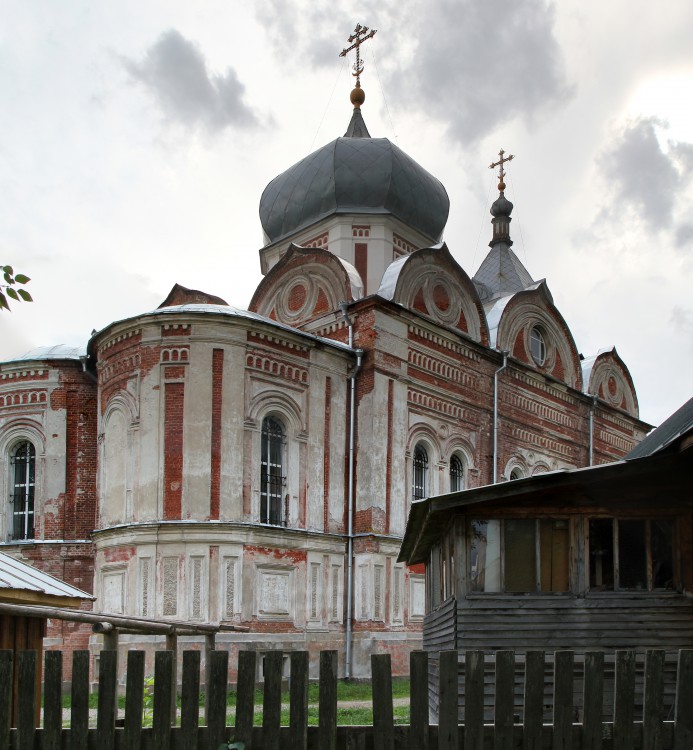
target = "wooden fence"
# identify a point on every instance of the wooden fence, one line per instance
(626, 732)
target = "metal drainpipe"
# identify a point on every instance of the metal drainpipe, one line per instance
(343, 306)
(495, 414)
(593, 406)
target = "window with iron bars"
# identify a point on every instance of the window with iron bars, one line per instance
(420, 474)
(272, 479)
(23, 463)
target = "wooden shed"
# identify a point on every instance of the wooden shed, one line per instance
(22, 584)
(599, 558)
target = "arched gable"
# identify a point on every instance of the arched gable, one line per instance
(607, 377)
(431, 282)
(532, 312)
(306, 283)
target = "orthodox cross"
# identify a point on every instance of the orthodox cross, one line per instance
(500, 163)
(360, 35)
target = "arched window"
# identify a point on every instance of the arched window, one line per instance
(23, 476)
(420, 474)
(272, 471)
(456, 474)
(537, 345)
(515, 474)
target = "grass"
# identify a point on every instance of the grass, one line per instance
(347, 692)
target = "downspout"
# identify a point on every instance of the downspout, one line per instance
(593, 406)
(495, 414)
(343, 306)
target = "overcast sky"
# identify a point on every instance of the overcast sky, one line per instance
(136, 139)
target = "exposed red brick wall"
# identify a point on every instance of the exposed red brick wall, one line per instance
(322, 305)
(173, 450)
(215, 459)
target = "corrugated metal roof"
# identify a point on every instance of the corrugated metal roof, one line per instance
(19, 576)
(60, 351)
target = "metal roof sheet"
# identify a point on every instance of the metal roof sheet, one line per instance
(19, 576)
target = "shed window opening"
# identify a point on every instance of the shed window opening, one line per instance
(272, 479)
(519, 556)
(631, 554)
(420, 474)
(23, 472)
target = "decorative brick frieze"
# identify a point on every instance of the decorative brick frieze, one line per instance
(420, 400)
(21, 375)
(23, 398)
(276, 366)
(441, 343)
(450, 371)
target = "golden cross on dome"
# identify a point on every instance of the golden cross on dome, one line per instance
(501, 172)
(360, 35)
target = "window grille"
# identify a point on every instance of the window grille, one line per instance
(456, 474)
(23, 463)
(420, 478)
(272, 472)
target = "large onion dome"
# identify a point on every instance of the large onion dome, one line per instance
(354, 174)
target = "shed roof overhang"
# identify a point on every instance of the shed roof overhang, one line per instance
(614, 486)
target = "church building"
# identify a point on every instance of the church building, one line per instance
(256, 467)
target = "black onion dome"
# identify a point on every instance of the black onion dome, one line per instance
(501, 206)
(354, 175)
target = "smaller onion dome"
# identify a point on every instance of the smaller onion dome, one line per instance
(501, 206)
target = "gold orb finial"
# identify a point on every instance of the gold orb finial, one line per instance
(357, 96)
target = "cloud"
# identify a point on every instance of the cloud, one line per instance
(495, 61)
(641, 174)
(682, 321)
(684, 235)
(175, 72)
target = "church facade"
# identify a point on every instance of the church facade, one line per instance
(256, 467)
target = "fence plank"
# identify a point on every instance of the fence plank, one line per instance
(418, 700)
(245, 697)
(26, 715)
(504, 706)
(474, 700)
(105, 713)
(624, 699)
(447, 720)
(272, 704)
(6, 661)
(134, 701)
(653, 703)
(79, 709)
(190, 699)
(52, 700)
(535, 662)
(683, 715)
(163, 682)
(327, 711)
(563, 700)
(298, 701)
(593, 700)
(216, 700)
(383, 719)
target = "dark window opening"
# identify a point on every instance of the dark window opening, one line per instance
(23, 463)
(272, 472)
(420, 477)
(456, 474)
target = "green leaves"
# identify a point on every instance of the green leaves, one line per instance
(12, 287)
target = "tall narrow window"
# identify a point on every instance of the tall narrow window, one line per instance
(420, 477)
(271, 471)
(23, 462)
(456, 474)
